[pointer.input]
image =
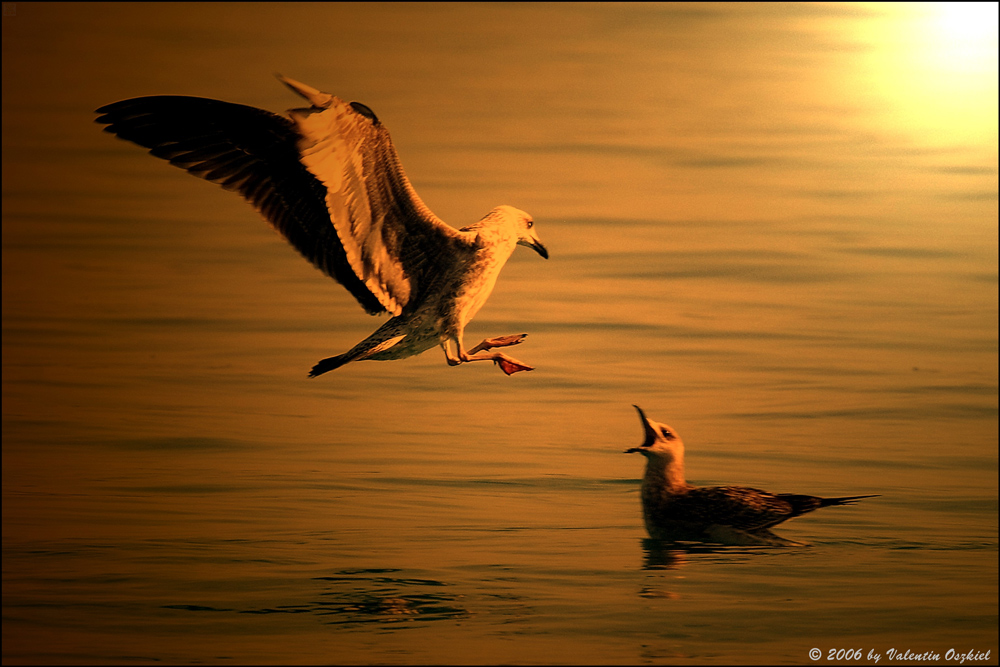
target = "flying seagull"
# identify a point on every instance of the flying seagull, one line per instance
(674, 510)
(329, 180)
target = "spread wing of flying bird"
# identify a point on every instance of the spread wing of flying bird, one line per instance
(328, 179)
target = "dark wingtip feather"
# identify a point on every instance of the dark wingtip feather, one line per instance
(327, 365)
(365, 111)
(845, 500)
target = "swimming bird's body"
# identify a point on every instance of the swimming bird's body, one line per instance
(677, 511)
(329, 180)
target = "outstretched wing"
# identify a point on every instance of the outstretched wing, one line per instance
(256, 153)
(741, 507)
(392, 240)
(249, 151)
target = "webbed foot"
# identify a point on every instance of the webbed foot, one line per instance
(499, 341)
(511, 366)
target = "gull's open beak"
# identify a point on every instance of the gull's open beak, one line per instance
(650, 434)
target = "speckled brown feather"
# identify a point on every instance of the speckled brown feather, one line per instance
(393, 242)
(741, 507)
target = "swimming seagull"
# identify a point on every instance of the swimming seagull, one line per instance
(329, 180)
(674, 510)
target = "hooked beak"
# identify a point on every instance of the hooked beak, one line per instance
(650, 434)
(537, 246)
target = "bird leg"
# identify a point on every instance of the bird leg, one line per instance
(507, 364)
(481, 352)
(499, 341)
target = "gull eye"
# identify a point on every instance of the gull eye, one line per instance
(531, 223)
(667, 434)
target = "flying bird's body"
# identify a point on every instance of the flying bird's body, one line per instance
(329, 180)
(674, 510)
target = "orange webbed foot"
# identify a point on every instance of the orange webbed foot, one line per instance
(511, 366)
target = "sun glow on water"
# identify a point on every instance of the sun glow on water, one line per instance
(961, 37)
(934, 67)
(968, 25)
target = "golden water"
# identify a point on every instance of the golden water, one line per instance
(772, 226)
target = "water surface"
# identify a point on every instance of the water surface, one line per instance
(772, 226)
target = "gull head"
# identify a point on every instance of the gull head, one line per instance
(506, 224)
(661, 441)
(524, 226)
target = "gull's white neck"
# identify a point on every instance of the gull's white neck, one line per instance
(493, 249)
(666, 474)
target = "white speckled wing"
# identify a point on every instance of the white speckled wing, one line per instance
(391, 239)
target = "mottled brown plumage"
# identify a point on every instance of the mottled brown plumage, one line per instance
(329, 180)
(675, 510)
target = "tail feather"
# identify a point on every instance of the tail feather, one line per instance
(328, 364)
(844, 500)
